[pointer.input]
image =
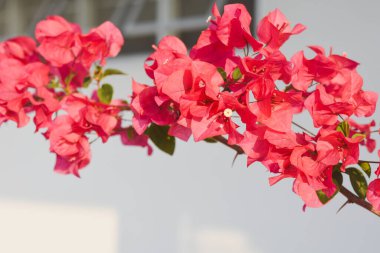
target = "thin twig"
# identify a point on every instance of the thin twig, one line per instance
(97, 138)
(233, 161)
(224, 141)
(345, 203)
(365, 161)
(307, 131)
(352, 198)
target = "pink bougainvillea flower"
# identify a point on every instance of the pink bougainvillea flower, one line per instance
(148, 107)
(21, 48)
(68, 142)
(274, 66)
(307, 193)
(226, 32)
(24, 90)
(306, 187)
(14, 94)
(196, 76)
(233, 27)
(255, 146)
(168, 50)
(322, 69)
(130, 137)
(194, 88)
(58, 40)
(91, 115)
(373, 194)
(377, 171)
(207, 117)
(321, 114)
(45, 105)
(365, 129)
(276, 112)
(274, 30)
(333, 146)
(100, 43)
(329, 101)
(71, 75)
(365, 105)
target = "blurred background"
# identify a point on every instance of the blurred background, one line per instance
(194, 202)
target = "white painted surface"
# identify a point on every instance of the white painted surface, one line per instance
(60, 228)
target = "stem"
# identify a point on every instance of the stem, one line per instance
(94, 140)
(313, 83)
(364, 161)
(351, 197)
(224, 141)
(307, 131)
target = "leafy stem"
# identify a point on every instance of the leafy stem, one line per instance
(351, 197)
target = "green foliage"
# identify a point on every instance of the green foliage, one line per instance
(54, 83)
(87, 81)
(210, 140)
(358, 181)
(337, 179)
(366, 167)
(110, 72)
(344, 128)
(323, 197)
(222, 73)
(69, 78)
(160, 138)
(236, 74)
(362, 136)
(105, 93)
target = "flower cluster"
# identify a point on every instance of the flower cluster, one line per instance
(44, 78)
(230, 84)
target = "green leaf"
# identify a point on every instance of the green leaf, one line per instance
(323, 197)
(105, 93)
(69, 78)
(54, 84)
(289, 87)
(366, 167)
(358, 135)
(98, 70)
(337, 177)
(87, 81)
(160, 138)
(210, 140)
(358, 181)
(222, 73)
(344, 127)
(131, 133)
(110, 72)
(236, 74)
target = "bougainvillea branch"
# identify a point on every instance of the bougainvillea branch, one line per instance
(232, 87)
(224, 141)
(351, 197)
